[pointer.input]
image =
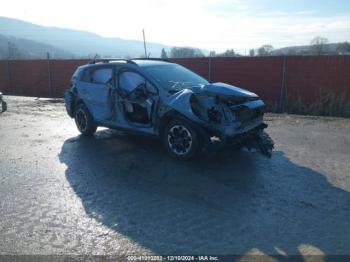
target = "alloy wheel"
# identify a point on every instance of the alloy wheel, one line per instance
(179, 139)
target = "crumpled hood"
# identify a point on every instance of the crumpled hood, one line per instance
(224, 90)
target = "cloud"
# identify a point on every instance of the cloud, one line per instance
(210, 24)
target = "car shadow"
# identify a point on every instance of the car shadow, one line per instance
(229, 203)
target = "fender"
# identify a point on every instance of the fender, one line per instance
(180, 102)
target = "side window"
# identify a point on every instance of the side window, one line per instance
(129, 80)
(86, 75)
(101, 76)
(98, 76)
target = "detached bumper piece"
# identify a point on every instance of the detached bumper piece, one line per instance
(260, 141)
(255, 139)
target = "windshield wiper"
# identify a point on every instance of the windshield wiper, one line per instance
(182, 84)
(174, 84)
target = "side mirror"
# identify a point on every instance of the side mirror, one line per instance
(151, 89)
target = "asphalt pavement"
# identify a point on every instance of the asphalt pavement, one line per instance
(116, 193)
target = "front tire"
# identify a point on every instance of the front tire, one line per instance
(84, 120)
(180, 139)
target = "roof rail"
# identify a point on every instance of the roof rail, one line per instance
(107, 60)
(152, 58)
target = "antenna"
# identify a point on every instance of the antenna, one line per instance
(93, 61)
(144, 42)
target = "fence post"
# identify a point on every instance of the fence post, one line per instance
(283, 86)
(9, 80)
(49, 74)
(209, 69)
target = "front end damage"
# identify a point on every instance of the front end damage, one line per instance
(230, 116)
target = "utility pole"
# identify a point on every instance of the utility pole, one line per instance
(144, 42)
(209, 68)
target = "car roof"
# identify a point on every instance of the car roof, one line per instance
(136, 62)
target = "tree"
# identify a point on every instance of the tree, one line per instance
(319, 45)
(3, 53)
(343, 48)
(252, 52)
(228, 53)
(212, 54)
(265, 50)
(13, 52)
(184, 52)
(164, 54)
(291, 52)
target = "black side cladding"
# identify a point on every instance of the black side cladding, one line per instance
(69, 102)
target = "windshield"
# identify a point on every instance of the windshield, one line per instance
(175, 77)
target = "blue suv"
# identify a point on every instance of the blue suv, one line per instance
(164, 99)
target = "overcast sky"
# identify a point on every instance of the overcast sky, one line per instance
(210, 24)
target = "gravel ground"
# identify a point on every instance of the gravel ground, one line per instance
(115, 193)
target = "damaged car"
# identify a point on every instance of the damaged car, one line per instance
(151, 96)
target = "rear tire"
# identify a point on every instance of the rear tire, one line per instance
(181, 140)
(84, 120)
